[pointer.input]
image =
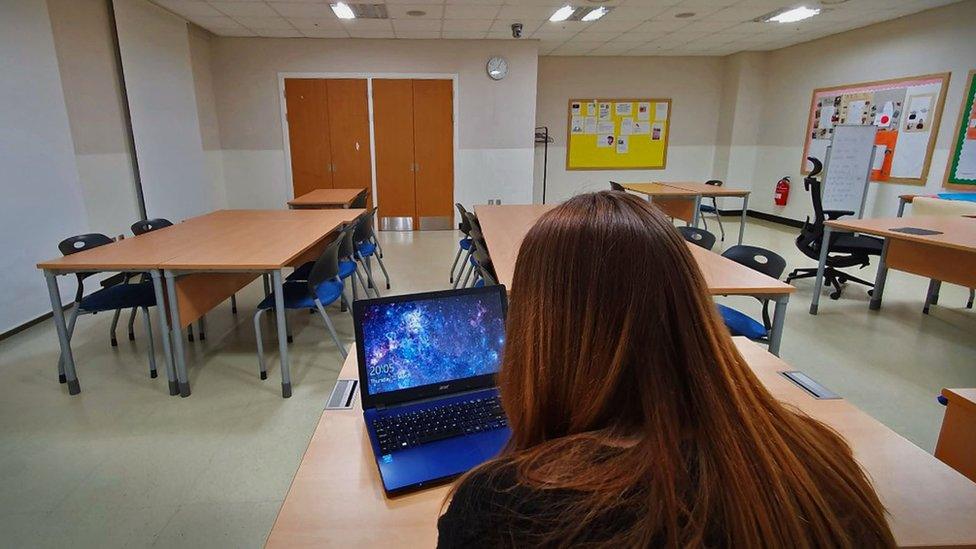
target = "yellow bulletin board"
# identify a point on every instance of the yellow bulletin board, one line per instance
(617, 134)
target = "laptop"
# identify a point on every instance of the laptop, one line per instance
(427, 365)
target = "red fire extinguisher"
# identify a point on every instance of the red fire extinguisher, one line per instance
(782, 191)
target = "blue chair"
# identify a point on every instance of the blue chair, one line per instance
(712, 209)
(347, 265)
(483, 268)
(367, 247)
(766, 262)
(697, 236)
(322, 288)
(114, 296)
(476, 237)
(464, 245)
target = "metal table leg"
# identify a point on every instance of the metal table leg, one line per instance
(932, 296)
(695, 214)
(779, 321)
(901, 206)
(157, 281)
(176, 332)
(71, 377)
(279, 296)
(818, 285)
(742, 218)
(879, 280)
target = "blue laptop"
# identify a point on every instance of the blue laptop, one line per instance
(427, 365)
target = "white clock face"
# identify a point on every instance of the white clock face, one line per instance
(497, 68)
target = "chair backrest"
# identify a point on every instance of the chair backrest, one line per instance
(698, 236)
(614, 186)
(149, 225)
(360, 200)
(714, 182)
(326, 267)
(474, 227)
(485, 267)
(465, 225)
(82, 242)
(923, 205)
(364, 227)
(347, 248)
(759, 259)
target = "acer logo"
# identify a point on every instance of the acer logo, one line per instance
(443, 387)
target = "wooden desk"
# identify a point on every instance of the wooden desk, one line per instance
(957, 439)
(716, 191)
(336, 498)
(949, 256)
(326, 198)
(504, 228)
(909, 198)
(202, 262)
(674, 201)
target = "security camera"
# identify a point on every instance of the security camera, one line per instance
(516, 30)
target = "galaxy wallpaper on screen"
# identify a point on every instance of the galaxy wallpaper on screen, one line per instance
(424, 342)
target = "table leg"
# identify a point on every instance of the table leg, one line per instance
(779, 321)
(932, 296)
(901, 206)
(176, 332)
(697, 212)
(157, 281)
(267, 285)
(279, 296)
(742, 219)
(879, 280)
(821, 267)
(57, 311)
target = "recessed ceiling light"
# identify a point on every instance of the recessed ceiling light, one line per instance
(343, 11)
(562, 14)
(791, 15)
(685, 14)
(595, 14)
(416, 13)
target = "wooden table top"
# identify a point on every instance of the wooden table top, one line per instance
(336, 498)
(505, 226)
(965, 398)
(958, 232)
(221, 240)
(659, 189)
(326, 198)
(705, 190)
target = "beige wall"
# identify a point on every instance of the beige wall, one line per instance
(694, 85)
(939, 40)
(495, 118)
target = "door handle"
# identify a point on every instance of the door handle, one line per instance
(417, 167)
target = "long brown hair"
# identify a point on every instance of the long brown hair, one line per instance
(622, 385)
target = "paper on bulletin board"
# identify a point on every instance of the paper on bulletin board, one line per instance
(604, 128)
(916, 116)
(855, 111)
(604, 111)
(623, 109)
(626, 126)
(605, 140)
(877, 162)
(826, 117)
(661, 111)
(576, 125)
(657, 131)
(641, 128)
(591, 108)
(623, 144)
(589, 124)
(576, 109)
(643, 110)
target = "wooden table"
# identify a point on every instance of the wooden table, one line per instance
(326, 198)
(949, 256)
(198, 264)
(654, 189)
(336, 498)
(957, 439)
(909, 198)
(505, 226)
(676, 202)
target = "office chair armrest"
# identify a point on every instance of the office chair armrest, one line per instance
(836, 214)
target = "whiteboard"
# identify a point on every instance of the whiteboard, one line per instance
(848, 167)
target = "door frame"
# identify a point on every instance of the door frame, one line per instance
(368, 76)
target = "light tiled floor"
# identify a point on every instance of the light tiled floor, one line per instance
(124, 464)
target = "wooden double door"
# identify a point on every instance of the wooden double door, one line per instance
(413, 132)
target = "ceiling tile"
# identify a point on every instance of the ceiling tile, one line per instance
(367, 25)
(612, 49)
(660, 26)
(416, 25)
(462, 34)
(242, 32)
(279, 33)
(256, 22)
(529, 26)
(302, 9)
(211, 22)
(315, 22)
(597, 36)
(431, 11)
(418, 35)
(614, 26)
(526, 12)
(254, 9)
(452, 11)
(325, 33)
(708, 26)
(188, 7)
(466, 25)
(371, 33)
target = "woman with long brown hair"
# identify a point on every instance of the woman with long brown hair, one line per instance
(635, 421)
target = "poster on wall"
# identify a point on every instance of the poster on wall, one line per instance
(961, 171)
(905, 111)
(620, 134)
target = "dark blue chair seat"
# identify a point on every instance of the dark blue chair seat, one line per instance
(465, 244)
(741, 324)
(366, 248)
(120, 296)
(297, 296)
(346, 269)
(706, 208)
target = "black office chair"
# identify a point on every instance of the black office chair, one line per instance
(843, 250)
(766, 262)
(614, 186)
(701, 237)
(713, 209)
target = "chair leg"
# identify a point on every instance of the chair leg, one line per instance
(972, 294)
(464, 268)
(233, 303)
(262, 369)
(132, 323)
(202, 327)
(703, 222)
(369, 276)
(149, 337)
(189, 333)
(362, 282)
(457, 257)
(115, 323)
(331, 328)
(345, 302)
(386, 275)
(467, 277)
(288, 336)
(718, 218)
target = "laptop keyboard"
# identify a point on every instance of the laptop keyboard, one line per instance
(418, 427)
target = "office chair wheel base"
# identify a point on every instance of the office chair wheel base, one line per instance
(153, 374)
(115, 343)
(174, 388)
(62, 378)
(290, 339)
(871, 292)
(264, 375)
(835, 295)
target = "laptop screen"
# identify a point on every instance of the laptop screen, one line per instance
(408, 342)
